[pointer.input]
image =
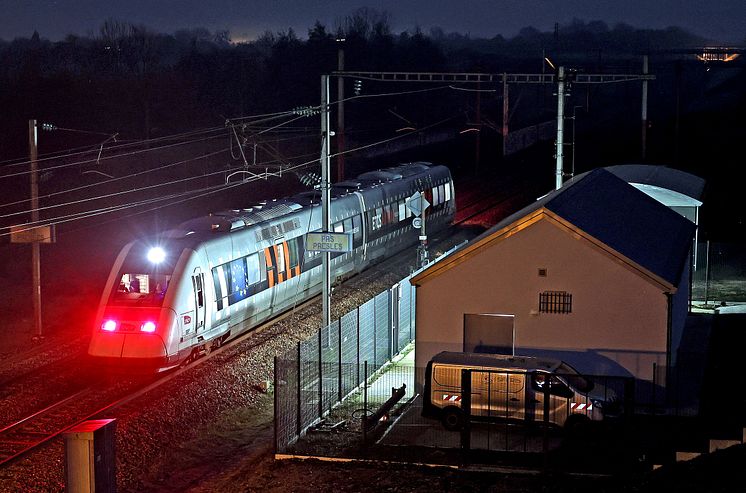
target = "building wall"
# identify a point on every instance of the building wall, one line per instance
(618, 324)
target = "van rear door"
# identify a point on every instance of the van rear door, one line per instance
(498, 394)
(509, 394)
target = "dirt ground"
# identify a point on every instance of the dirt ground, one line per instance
(235, 455)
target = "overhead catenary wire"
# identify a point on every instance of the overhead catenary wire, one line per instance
(139, 189)
(132, 175)
(123, 145)
(206, 191)
(303, 165)
(222, 129)
(131, 142)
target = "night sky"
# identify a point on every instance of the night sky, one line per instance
(722, 21)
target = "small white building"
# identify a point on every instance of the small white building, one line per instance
(595, 273)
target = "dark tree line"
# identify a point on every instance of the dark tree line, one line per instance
(141, 83)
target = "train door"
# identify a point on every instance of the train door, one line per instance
(276, 260)
(395, 301)
(198, 285)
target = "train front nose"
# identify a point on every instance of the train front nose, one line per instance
(130, 336)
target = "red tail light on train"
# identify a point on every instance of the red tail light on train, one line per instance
(111, 325)
(147, 327)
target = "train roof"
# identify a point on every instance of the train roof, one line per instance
(502, 361)
(235, 219)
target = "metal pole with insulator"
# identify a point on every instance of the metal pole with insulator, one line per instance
(560, 126)
(326, 222)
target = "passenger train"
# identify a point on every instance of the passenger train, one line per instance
(180, 294)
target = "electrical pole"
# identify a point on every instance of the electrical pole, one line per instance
(35, 250)
(326, 222)
(340, 112)
(644, 107)
(505, 115)
(477, 141)
(560, 126)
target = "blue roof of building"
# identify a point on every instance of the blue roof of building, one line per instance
(623, 218)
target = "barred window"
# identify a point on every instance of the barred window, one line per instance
(555, 302)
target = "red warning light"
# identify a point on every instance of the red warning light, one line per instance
(148, 327)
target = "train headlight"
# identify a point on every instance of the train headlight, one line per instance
(109, 326)
(147, 327)
(156, 255)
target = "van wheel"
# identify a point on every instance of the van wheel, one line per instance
(452, 418)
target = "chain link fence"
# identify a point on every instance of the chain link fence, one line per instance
(319, 373)
(720, 274)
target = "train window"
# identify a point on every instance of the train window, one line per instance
(198, 289)
(293, 253)
(436, 196)
(376, 219)
(238, 281)
(348, 225)
(338, 228)
(280, 250)
(221, 287)
(255, 271)
(402, 210)
(144, 289)
(357, 231)
(393, 212)
(448, 191)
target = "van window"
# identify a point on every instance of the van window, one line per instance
(540, 380)
(574, 378)
(447, 376)
(507, 382)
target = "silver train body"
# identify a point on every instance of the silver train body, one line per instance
(172, 297)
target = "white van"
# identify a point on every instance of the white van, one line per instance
(511, 388)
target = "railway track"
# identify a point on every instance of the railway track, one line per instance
(25, 435)
(32, 431)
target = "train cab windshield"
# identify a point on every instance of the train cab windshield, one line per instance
(143, 280)
(139, 288)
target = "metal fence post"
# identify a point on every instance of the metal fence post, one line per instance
(707, 274)
(321, 377)
(545, 424)
(393, 342)
(298, 394)
(357, 358)
(409, 307)
(654, 404)
(629, 398)
(339, 359)
(466, 410)
(275, 399)
(375, 335)
(365, 404)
